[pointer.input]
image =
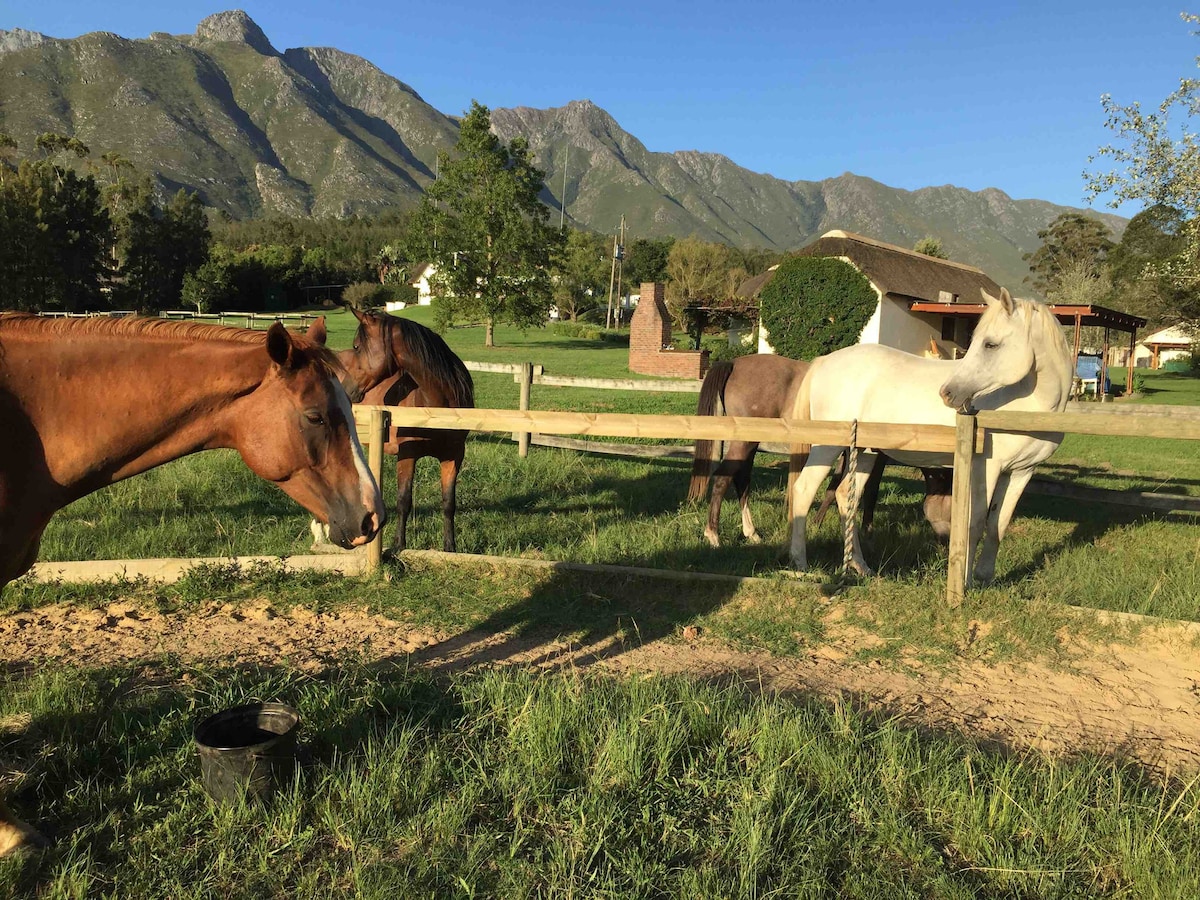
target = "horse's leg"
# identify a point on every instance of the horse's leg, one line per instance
(864, 469)
(406, 465)
(984, 479)
(835, 481)
(1009, 489)
(820, 461)
(450, 469)
(868, 494)
(726, 469)
(741, 483)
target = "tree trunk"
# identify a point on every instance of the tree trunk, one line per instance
(491, 325)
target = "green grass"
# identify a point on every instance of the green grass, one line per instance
(507, 785)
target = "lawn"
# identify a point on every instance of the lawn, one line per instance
(507, 784)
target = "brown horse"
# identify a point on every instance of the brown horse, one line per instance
(765, 385)
(399, 362)
(86, 403)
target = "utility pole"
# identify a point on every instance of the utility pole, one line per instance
(562, 209)
(618, 258)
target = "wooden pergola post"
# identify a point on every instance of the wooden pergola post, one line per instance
(1129, 363)
(1075, 352)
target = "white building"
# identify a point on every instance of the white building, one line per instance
(1163, 346)
(901, 280)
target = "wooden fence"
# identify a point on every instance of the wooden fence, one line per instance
(965, 440)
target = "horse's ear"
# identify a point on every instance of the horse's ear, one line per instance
(1006, 301)
(279, 345)
(316, 332)
(358, 314)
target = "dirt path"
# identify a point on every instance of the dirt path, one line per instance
(1142, 701)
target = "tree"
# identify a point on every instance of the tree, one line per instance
(1136, 268)
(646, 260)
(160, 247)
(931, 246)
(482, 225)
(1071, 240)
(582, 273)
(697, 270)
(54, 232)
(1157, 162)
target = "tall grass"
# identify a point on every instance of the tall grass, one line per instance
(509, 785)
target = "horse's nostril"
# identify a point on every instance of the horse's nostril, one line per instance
(369, 525)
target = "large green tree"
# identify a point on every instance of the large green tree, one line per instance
(1156, 161)
(1137, 267)
(698, 271)
(582, 273)
(161, 245)
(646, 260)
(54, 237)
(1071, 242)
(487, 232)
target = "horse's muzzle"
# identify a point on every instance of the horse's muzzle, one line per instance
(353, 391)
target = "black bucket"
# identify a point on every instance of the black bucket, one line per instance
(247, 750)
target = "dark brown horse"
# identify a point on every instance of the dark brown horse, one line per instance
(765, 385)
(85, 403)
(399, 362)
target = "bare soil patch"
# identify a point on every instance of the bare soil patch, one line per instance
(1140, 700)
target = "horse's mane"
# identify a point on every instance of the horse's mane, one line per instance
(1045, 328)
(165, 329)
(433, 355)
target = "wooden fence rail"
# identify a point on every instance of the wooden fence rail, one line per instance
(964, 441)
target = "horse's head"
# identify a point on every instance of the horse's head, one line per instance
(370, 361)
(1001, 352)
(299, 433)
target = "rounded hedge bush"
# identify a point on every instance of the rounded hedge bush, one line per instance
(815, 305)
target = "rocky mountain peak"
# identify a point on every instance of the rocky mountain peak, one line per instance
(234, 26)
(19, 39)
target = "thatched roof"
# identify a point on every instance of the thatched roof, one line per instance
(894, 270)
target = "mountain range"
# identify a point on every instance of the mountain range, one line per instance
(317, 131)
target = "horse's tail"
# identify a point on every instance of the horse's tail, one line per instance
(711, 403)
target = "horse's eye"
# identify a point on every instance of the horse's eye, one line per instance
(991, 345)
(315, 418)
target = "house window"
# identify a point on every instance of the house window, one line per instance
(947, 328)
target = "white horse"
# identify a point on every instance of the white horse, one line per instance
(1018, 360)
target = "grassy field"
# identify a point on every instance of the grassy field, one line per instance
(586, 508)
(506, 784)
(509, 785)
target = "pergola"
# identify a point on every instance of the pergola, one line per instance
(1099, 316)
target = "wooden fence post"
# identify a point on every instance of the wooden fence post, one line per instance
(525, 379)
(377, 437)
(960, 510)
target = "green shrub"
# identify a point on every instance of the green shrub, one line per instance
(366, 295)
(720, 350)
(588, 332)
(815, 305)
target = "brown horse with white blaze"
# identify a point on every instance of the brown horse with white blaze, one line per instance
(399, 362)
(86, 403)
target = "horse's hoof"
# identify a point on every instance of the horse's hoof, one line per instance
(754, 538)
(712, 539)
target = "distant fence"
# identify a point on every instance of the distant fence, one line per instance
(242, 319)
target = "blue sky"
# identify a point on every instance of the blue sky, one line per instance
(973, 94)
